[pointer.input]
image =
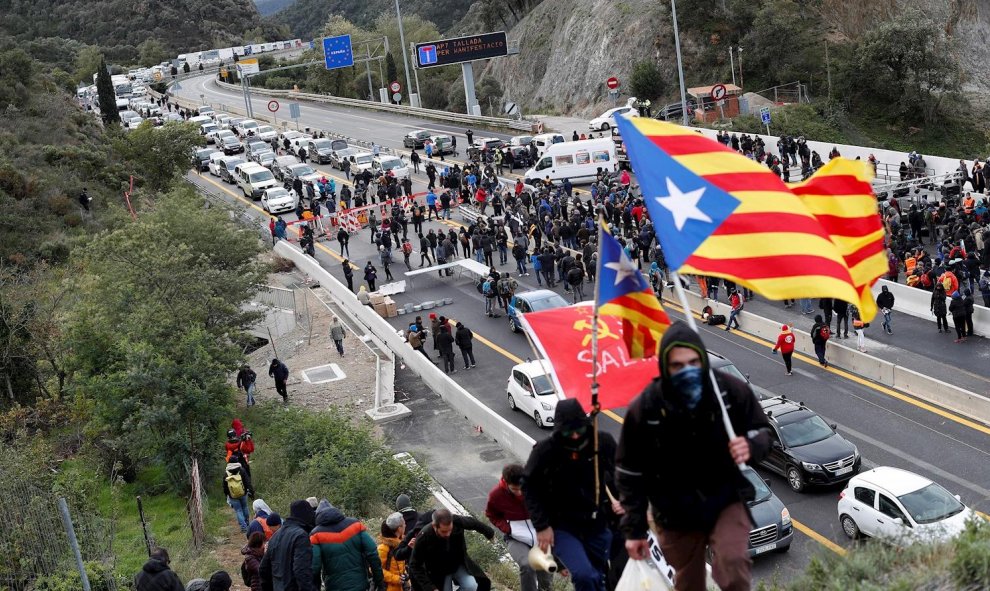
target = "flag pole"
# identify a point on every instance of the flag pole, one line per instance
(682, 297)
(595, 406)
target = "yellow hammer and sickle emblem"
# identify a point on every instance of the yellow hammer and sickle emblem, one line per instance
(604, 332)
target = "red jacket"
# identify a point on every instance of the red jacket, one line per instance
(785, 342)
(503, 507)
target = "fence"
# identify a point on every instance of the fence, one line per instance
(40, 542)
(277, 297)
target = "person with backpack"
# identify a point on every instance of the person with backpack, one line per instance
(343, 552)
(237, 487)
(488, 290)
(393, 569)
(407, 250)
(820, 333)
(253, 552)
(785, 344)
(246, 378)
(736, 301)
(280, 373)
(156, 575)
(885, 301)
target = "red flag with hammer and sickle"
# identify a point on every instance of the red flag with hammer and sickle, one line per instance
(563, 336)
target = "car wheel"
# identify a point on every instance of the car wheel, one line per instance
(512, 325)
(512, 402)
(849, 527)
(605, 127)
(539, 419)
(795, 479)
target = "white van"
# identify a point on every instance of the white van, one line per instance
(200, 120)
(578, 161)
(253, 179)
(545, 140)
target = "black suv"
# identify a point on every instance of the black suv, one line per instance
(804, 448)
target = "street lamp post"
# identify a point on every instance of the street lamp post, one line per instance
(740, 67)
(405, 57)
(680, 65)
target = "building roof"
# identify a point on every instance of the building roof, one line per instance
(700, 91)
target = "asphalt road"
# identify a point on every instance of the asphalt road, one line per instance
(889, 427)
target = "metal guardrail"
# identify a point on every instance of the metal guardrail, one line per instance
(277, 297)
(522, 125)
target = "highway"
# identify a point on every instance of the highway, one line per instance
(889, 427)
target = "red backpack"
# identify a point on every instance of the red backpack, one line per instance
(824, 332)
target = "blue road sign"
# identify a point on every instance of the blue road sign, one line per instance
(427, 55)
(765, 115)
(337, 52)
(294, 110)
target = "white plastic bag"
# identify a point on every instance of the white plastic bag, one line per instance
(641, 575)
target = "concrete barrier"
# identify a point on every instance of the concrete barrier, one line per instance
(495, 426)
(917, 302)
(955, 399)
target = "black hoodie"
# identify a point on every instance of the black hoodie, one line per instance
(678, 459)
(155, 575)
(560, 480)
(288, 562)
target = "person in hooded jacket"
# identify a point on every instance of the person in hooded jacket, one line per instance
(253, 552)
(885, 301)
(939, 307)
(693, 508)
(156, 575)
(970, 310)
(288, 561)
(260, 522)
(568, 511)
(785, 344)
(394, 570)
(280, 372)
(440, 558)
(957, 308)
(343, 552)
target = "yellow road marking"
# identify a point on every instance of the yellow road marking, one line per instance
(818, 537)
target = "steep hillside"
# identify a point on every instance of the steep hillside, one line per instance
(270, 7)
(179, 24)
(307, 17)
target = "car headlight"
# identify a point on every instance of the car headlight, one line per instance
(811, 467)
(855, 453)
(546, 406)
(785, 517)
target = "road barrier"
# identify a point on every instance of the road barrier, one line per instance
(955, 399)
(917, 302)
(502, 431)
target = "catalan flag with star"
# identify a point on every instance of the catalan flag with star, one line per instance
(621, 291)
(719, 213)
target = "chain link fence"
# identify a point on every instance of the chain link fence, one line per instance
(45, 543)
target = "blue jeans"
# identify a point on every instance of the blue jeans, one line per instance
(806, 306)
(586, 557)
(732, 318)
(539, 281)
(250, 394)
(479, 255)
(240, 508)
(886, 321)
(521, 266)
(465, 582)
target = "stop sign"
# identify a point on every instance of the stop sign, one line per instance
(612, 83)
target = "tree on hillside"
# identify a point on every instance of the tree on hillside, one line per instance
(107, 95)
(152, 52)
(646, 81)
(161, 153)
(391, 73)
(87, 63)
(16, 73)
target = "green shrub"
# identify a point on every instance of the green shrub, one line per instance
(101, 578)
(971, 563)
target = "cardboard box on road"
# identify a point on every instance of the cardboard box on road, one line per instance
(390, 308)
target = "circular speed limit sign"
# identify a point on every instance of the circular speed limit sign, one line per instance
(273, 106)
(395, 87)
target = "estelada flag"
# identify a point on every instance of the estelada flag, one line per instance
(719, 213)
(563, 337)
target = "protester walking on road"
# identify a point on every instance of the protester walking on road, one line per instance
(885, 301)
(440, 558)
(785, 344)
(445, 345)
(939, 308)
(464, 339)
(348, 275)
(156, 575)
(288, 561)
(970, 310)
(736, 301)
(957, 308)
(694, 509)
(246, 378)
(820, 334)
(841, 309)
(560, 492)
(280, 373)
(859, 326)
(370, 276)
(343, 238)
(337, 334)
(506, 510)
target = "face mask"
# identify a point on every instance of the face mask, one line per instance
(688, 382)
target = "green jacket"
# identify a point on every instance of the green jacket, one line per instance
(343, 551)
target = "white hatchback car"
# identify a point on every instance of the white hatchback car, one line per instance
(531, 391)
(391, 164)
(900, 507)
(606, 120)
(278, 200)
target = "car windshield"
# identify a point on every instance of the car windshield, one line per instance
(277, 193)
(543, 385)
(930, 504)
(266, 129)
(302, 170)
(733, 371)
(249, 124)
(261, 175)
(762, 490)
(323, 144)
(231, 140)
(554, 301)
(347, 152)
(232, 164)
(363, 159)
(804, 432)
(391, 164)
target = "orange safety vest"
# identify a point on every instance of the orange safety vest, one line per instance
(909, 264)
(264, 526)
(968, 204)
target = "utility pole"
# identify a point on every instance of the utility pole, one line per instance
(828, 71)
(732, 66)
(680, 65)
(740, 67)
(405, 58)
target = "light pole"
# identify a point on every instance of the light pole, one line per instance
(740, 67)
(732, 66)
(405, 57)
(680, 65)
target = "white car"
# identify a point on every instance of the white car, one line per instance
(531, 391)
(305, 172)
(246, 127)
(606, 120)
(289, 135)
(520, 140)
(391, 164)
(361, 162)
(278, 200)
(900, 507)
(265, 133)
